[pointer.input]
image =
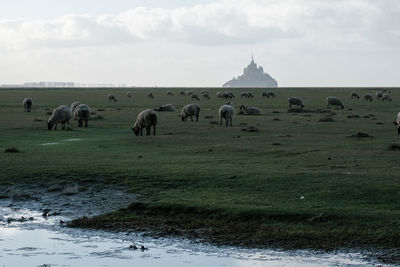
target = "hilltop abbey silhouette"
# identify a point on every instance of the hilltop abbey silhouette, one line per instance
(253, 76)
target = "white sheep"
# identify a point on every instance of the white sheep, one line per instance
(195, 97)
(190, 110)
(111, 97)
(334, 101)
(368, 97)
(250, 110)
(167, 107)
(129, 94)
(61, 114)
(354, 95)
(150, 95)
(386, 97)
(27, 102)
(145, 119)
(397, 123)
(82, 114)
(295, 101)
(74, 105)
(226, 112)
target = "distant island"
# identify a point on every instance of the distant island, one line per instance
(253, 76)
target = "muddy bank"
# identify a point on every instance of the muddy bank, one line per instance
(321, 232)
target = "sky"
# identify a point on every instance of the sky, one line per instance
(200, 42)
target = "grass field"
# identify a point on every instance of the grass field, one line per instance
(222, 183)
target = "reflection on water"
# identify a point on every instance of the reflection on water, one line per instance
(43, 241)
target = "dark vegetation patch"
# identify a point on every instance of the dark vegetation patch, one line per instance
(300, 110)
(276, 119)
(100, 109)
(275, 111)
(214, 122)
(326, 119)
(353, 116)
(276, 144)
(35, 119)
(208, 117)
(394, 146)
(360, 135)
(96, 117)
(250, 129)
(11, 150)
(48, 113)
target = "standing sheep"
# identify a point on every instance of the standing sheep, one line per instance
(190, 110)
(368, 97)
(219, 95)
(378, 95)
(182, 93)
(82, 114)
(334, 101)
(129, 94)
(295, 101)
(354, 95)
(195, 97)
(170, 93)
(166, 107)
(74, 105)
(111, 97)
(226, 112)
(61, 114)
(250, 110)
(145, 119)
(397, 123)
(206, 95)
(27, 102)
(386, 97)
(150, 95)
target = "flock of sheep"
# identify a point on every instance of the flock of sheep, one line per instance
(148, 117)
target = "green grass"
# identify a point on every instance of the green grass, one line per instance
(225, 174)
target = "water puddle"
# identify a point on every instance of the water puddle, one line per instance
(73, 139)
(59, 143)
(50, 144)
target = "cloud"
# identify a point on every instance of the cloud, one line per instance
(326, 24)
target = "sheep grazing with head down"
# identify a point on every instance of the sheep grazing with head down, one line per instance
(386, 97)
(295, 101)
(368, 97)
(27, 102)
(111, 97)
(150, 95)
(166, 107)
(250, 110)
(397, 123)
(334, 101)
(182, 93)
(170, 93)
(190, 110)
(226, 112)
(354, 95)
(195, 97)
(145, 119)
(82, 114)
(246, 94)
(62, 115)
(74, 105)
(378, 95)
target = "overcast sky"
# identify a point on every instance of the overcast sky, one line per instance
(200, 42)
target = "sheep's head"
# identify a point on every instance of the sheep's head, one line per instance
(342, 106)
(398, 127)
(136, 129)
(49, 125)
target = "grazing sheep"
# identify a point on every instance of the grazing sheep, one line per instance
(354, 95)
(246, 94)
(378, 95)
(368, 97)
(271, 94)
(74, 105)
(129, 94)
(334, 101)
(182, 93)
(189, 92)
(195, 97)
(150, 95)
(61, 114)
(226, 112)
(219, 95)
(166, 107)
(386, 97)
(145, 119)
(111, 97)
(190, 110)
(170, 93)
(82, 114)
(204, 92)
(265, 94)
(27, 102)
(227, 95)
(295, 101)
(206, 95)
(397, 123)
(250, 110)
(386, 91)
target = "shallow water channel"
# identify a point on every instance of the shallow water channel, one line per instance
(29, 239)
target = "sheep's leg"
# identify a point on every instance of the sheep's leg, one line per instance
(154, 129)
(147, 130)
(141, 131)
(230, 121)
(191, 117)
(220, 122)
(55, 127)
(79, 123)
(226, 122)
(197, 117)
(86, 123)
(62, 125)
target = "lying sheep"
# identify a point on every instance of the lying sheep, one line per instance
(226, 112)
(27, 102)
(150, 95)
(386, 97)
(195, 97)
(378, 95)
(354, 95)
(334, 101)
(397, 123)
(82, 114)
(368, 97)
(190, 110)
(250, 110)
(166, 107)
(111, 97)
(295, 101)
(61, 114)
(145, 119)
(74, 105)
(170, 93)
